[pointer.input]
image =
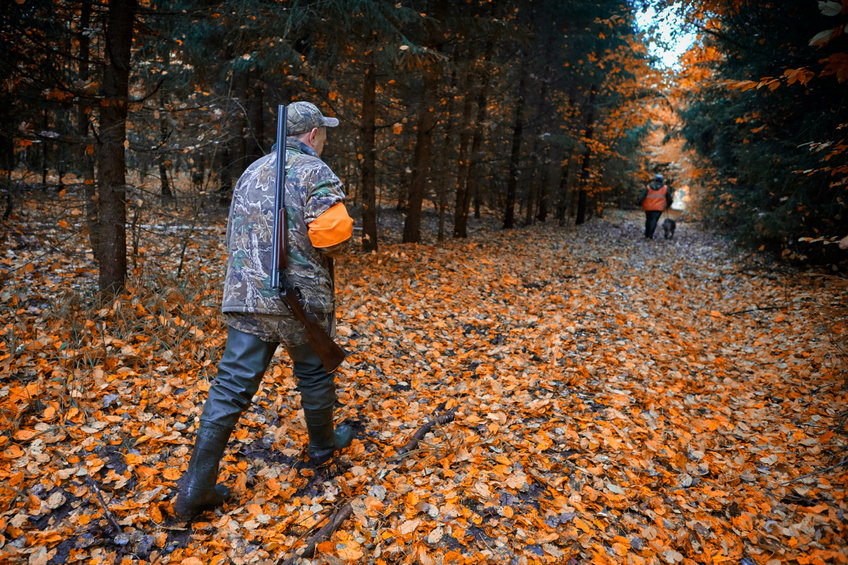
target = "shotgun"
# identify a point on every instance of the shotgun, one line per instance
(329, 351)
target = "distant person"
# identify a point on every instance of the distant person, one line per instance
(258, 321)
(655, 198)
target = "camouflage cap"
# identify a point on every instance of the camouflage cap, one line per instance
(304, 116)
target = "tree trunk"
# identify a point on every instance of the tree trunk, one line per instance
(241, 127)
(473, 184)
(164, 183)
(421, 161)
(232, 155)
(515, 156)
(164, 163)
(44, 127)
(562, 196)
(7, 146)
(460, 219)
(532, 187)
(198, 171)
(535, 182)
(445, 157)
(83, 118)
(255, 131)
(581, 206)
(542, 210)
(369, 157)
(587, 153)
(426, 123)
(111, 252)
(541, 151)
(225, 178)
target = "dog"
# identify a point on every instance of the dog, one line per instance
(668, 227)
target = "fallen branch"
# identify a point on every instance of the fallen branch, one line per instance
(325, 532)
(819, 472)
(106, 510)
(757, 309)
(342, 514)
(425, 429)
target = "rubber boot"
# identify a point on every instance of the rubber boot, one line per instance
(318, 398)
(199, 490)
(325, 439)
(240, 371)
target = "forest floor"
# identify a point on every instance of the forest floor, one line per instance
(613, 400)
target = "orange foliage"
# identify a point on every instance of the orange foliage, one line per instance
(619, 401)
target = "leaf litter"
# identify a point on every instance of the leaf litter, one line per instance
(614, 400)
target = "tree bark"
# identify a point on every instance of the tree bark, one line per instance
(515, 156)
(241, 128)
(164, 163)
(111, 252)
(7, 146)
(369, 157)
(540, 152)
(164, 184)
(460, 220)
(255, 131)
(421, 161)
(587, 154)
(532, 187)
(562, 195)
(44, 127)
(426, 123)
(473, 181)
(536, 181)
(233, 155)
(223, 164)
(445, 157)
(83, 119)
(542, 209)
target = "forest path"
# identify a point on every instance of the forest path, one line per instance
(619, 395)
(618, 400)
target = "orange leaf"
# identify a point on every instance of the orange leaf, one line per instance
(13, 452)
(581, 524)
(155, 513)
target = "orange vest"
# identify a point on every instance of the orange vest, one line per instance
(656, 199)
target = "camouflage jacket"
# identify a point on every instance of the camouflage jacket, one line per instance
(311, 189)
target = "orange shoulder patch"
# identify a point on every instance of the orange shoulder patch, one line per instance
(331, 228)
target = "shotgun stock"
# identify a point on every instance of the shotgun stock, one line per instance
(329, 351)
